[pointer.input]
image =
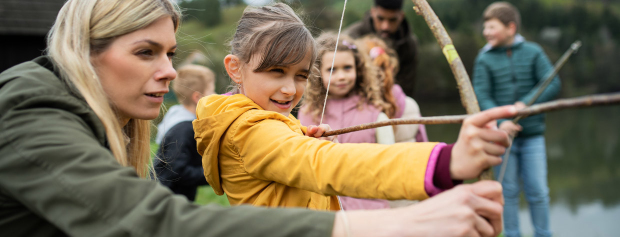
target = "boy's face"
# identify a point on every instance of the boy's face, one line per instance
(497, 34)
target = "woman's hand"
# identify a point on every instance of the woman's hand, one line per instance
(317, 131)
(467, 210)
(480, 143)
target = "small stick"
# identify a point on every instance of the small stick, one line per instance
(541, 87)
(585, 101)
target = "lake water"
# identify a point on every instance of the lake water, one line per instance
(583, 149)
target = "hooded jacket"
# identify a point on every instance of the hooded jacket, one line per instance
(59, 178)
(263, 158)
(403, 42)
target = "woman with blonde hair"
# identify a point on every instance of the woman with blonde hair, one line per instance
(74, 141)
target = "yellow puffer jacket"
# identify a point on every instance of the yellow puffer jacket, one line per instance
(263, 158)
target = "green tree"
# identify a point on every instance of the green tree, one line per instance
(208, 12)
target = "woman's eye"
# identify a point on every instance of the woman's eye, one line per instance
(303, 76)
(145, 52)
(171, 55)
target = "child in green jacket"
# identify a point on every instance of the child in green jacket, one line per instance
(507, 71)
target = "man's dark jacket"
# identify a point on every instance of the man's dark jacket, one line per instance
(403, 42)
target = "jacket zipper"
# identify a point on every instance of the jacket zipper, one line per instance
(514, 77)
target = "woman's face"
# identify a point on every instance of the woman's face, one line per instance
(344, 75)
(136, 70)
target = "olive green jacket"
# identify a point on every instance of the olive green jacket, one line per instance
(58, 178)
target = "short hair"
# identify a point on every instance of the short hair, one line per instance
(390, 4)
(504, 12)
(192, 78)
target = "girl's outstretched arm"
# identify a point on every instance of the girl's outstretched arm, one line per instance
(271, 150)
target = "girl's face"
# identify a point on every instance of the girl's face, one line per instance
(344, 75)
(278, 88)
(136, 70)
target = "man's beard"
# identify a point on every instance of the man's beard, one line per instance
(386, 34)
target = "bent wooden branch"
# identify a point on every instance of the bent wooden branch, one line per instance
(585, 101)
(468, 97)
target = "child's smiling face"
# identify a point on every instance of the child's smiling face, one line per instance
(497, 34)
(278, 88)
(344, 75)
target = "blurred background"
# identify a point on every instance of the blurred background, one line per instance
(583, 145)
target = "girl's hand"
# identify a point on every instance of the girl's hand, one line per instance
(480, 143)
(317, 131)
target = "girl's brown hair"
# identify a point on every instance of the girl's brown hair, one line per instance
(274, 33)
(366, 84)
(386, 60)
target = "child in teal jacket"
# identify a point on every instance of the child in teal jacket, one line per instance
(507, 71)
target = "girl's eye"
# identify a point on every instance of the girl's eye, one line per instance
(305, 77)
(278, 70)
(348, 67)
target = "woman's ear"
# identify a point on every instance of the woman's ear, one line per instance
(233, 67)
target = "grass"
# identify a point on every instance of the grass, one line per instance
(206, 195)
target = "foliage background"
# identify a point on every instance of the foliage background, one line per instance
(554, 24)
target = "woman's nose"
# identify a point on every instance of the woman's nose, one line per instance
(166, 71)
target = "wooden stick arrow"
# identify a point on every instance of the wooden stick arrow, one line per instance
(585, 101)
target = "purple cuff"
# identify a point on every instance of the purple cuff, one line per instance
(442, 178)
(438, 177)
(429, 186)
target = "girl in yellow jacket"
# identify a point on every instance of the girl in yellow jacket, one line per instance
(257, 153)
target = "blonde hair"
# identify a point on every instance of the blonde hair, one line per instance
(366, 84)
(192, 78)
(85, 28)
(387, 63)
